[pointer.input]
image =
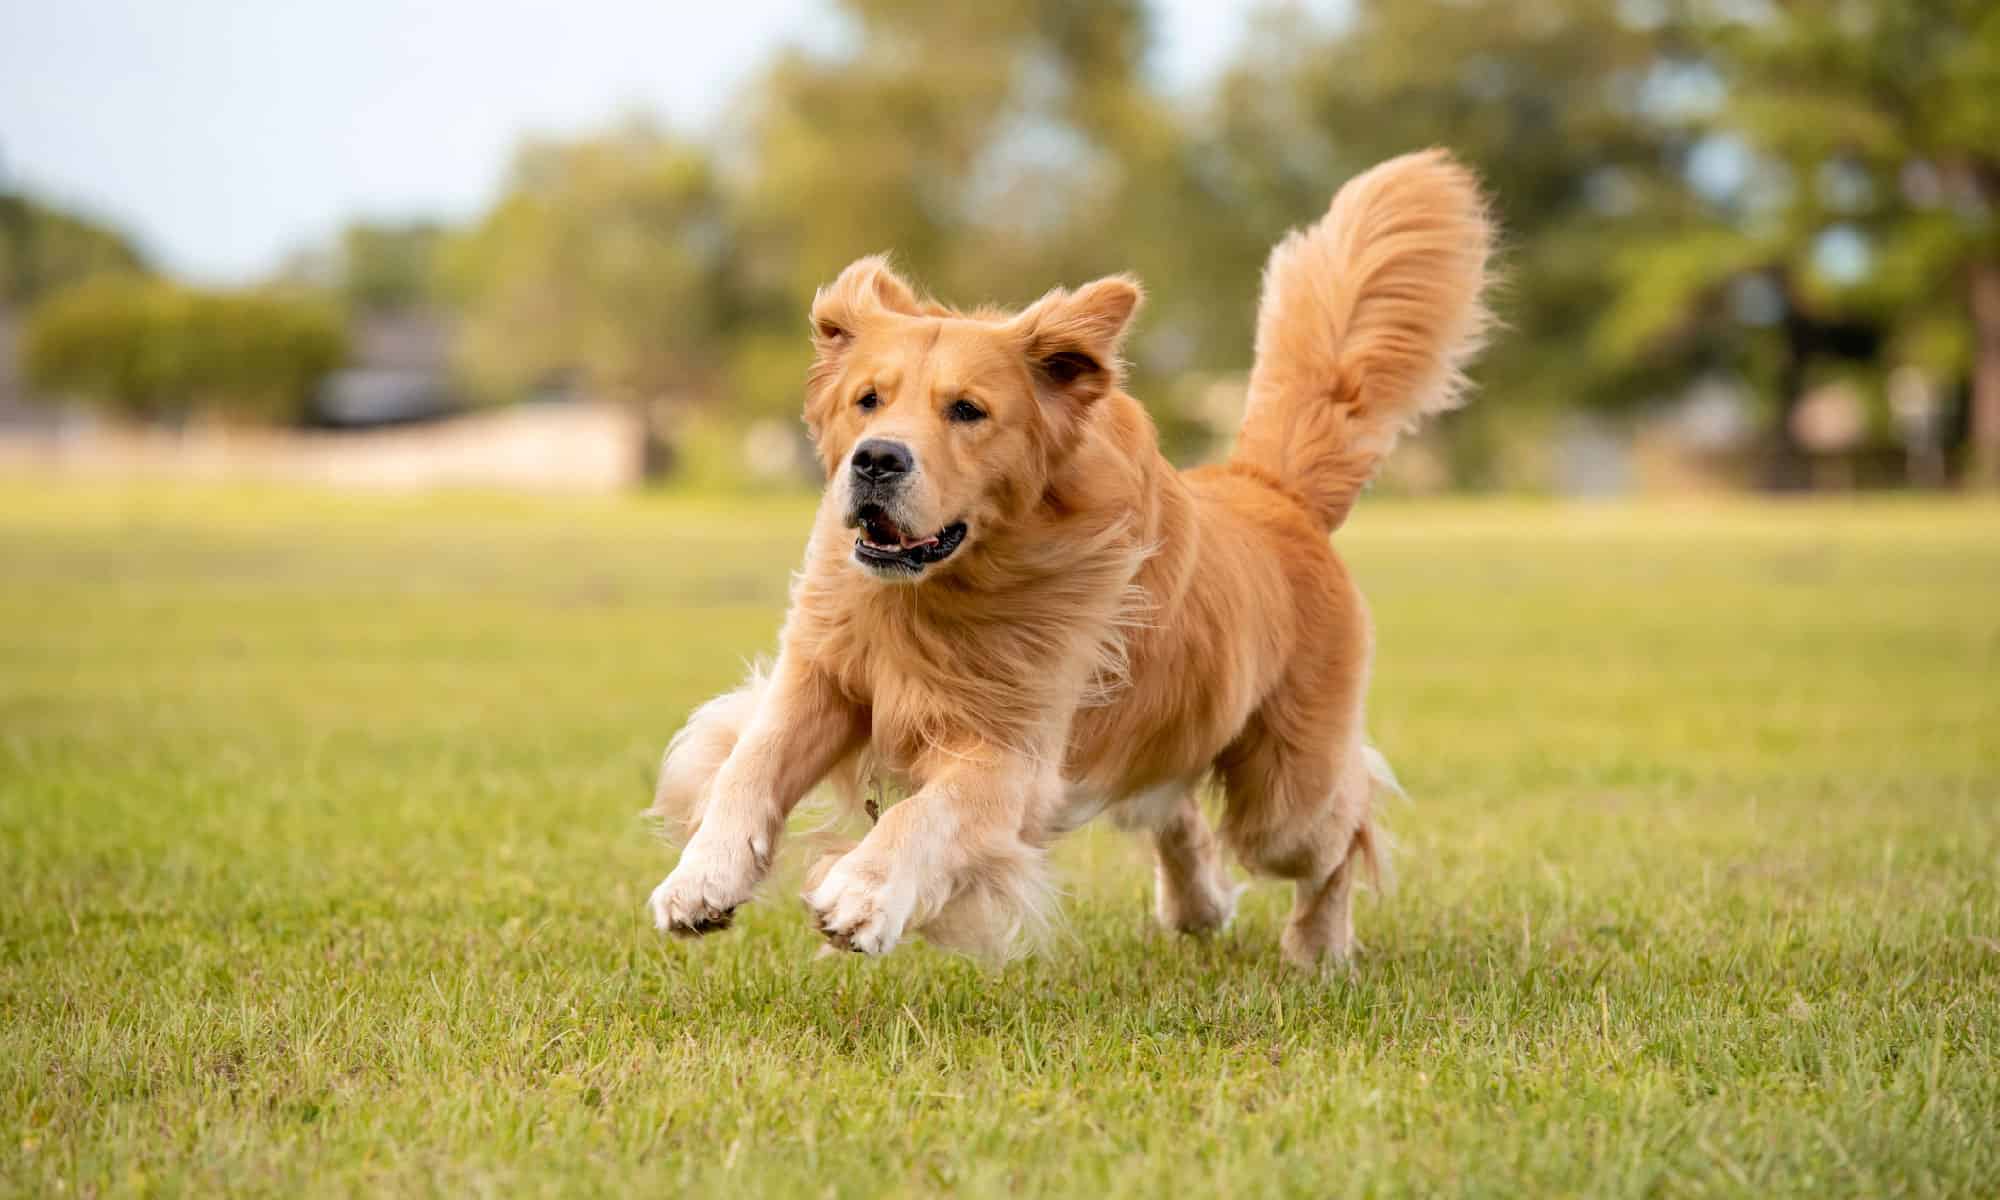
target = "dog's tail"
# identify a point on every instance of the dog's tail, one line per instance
(1367, 318)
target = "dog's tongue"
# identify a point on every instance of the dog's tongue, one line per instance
(880, 530)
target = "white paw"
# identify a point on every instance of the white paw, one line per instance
(714, 877)
(858, 911)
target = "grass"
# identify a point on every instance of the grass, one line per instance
(320, 871)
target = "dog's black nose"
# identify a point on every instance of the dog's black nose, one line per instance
(877, 461)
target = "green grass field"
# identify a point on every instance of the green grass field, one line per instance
(320, 870)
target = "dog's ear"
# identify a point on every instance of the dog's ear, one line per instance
(1071, 340)
(867, 288)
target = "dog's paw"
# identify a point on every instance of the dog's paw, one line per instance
(705, 890)
(858, 912)
(1198, 906)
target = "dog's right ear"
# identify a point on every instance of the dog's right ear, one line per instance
(867, 288)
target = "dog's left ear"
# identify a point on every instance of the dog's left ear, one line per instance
(1072, 339)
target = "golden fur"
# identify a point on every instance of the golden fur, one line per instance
(1110, 632)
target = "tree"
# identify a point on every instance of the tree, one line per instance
(154, 350)
(1569, 109)
(609, 259)
(388, 267)
(940, 130)
(994, 149)
(1863, 210)
(43, 250)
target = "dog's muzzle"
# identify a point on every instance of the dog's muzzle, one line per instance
(877, 471)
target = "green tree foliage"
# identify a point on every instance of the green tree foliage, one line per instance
(1758, 188)
(995, 149)
(155, 350)
(43, 250)
(1001, 148)
(610, 259)
(1863, 205)
(388, 267)
(966, 138)
(1568, 108)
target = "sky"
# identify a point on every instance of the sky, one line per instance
(227, 133)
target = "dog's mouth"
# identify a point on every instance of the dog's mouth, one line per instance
(883, 544)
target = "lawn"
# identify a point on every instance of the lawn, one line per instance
(320, 870)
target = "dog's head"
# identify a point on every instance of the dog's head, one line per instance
(940, 429)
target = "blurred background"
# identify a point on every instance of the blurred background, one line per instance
(1750, 244)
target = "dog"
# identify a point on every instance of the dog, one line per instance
(1012, 604)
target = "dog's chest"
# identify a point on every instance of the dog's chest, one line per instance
(931, 690)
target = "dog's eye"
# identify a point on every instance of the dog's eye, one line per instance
(869, 399)
(966, 411)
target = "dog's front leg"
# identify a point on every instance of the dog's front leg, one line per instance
(801, 727)
(962, 828)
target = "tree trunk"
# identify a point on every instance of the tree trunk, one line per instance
(1982, 470)
(1789, 468)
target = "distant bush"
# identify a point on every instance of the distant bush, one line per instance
(43, 250)
(156, 350)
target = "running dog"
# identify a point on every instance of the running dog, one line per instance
(1015, 607)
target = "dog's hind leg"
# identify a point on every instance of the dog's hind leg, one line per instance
(1301, 811)
(1322, 920)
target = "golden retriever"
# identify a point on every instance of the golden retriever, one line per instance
(1013, 604)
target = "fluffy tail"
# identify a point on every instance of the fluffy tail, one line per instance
(1366, 321)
